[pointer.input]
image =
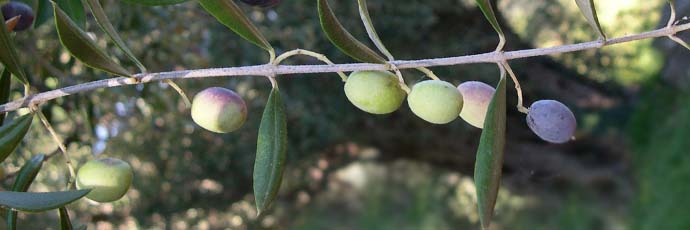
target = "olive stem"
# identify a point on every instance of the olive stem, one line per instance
(401, 80)
(180, 91)
(518, 88)
(61, 146)
(679, 41)
(269, 69)
(316, 55)
(501, 42)
(428, 73)
(672, 18)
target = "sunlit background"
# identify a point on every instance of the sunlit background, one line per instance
(628, 168)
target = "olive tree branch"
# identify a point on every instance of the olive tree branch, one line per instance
(270, 70)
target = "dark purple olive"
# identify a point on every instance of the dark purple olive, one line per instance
(12, 9)
(552, 121)
(262, 3)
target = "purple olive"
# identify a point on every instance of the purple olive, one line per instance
(552, 121)
(477, 96)
(12, 9)
(262, 3)
(219, 110)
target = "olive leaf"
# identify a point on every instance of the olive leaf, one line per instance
(230, 15)
(589, 11)
(5, 83)
(75, 10)
(107, 27)
(82, 47)
(371, 31)
(40, 201)
(485, 6)
(65, 222)
(271, 151)
(25, 177)
(487, 169)
(342, 39)
(28, 173)
(43, 13)
(12, 133)
(8, 54)
(155, 2)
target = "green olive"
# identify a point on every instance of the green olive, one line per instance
(376, 92)
(435, 101)
(108, 178)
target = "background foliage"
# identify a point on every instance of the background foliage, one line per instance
(350, 169)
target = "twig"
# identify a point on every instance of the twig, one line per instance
(61, 146)
(268, 69)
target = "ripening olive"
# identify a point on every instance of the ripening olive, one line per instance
(435, 101)
(12, 9)
(552, 121)
(219, 110)
(262, 3)
(476, 97)
(376, 92)
(108, 178)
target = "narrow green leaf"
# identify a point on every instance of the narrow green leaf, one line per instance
(230, 15)
(40, 201)
(65, 222)
(12, 133)
(371, 30)
(589, 11)
(487, 169)
(271, 151)
(342, 39)
(5, 83)
(155, 2)
(107, 27)
(75, 10)
(26, 176)
(485, 6)
(8, 54)
(82, 47)
(44, 12)
(28, 173)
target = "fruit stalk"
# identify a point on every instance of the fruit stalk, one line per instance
(61, 146)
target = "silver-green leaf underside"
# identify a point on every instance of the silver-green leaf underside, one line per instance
(371, 30)
(589, 11)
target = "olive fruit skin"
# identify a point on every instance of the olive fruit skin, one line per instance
(108, 178)
(435, 101)
(476, 98)
(262, 3)
(376, 92)
(219, 110)
(12, 9)
(552, 121)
